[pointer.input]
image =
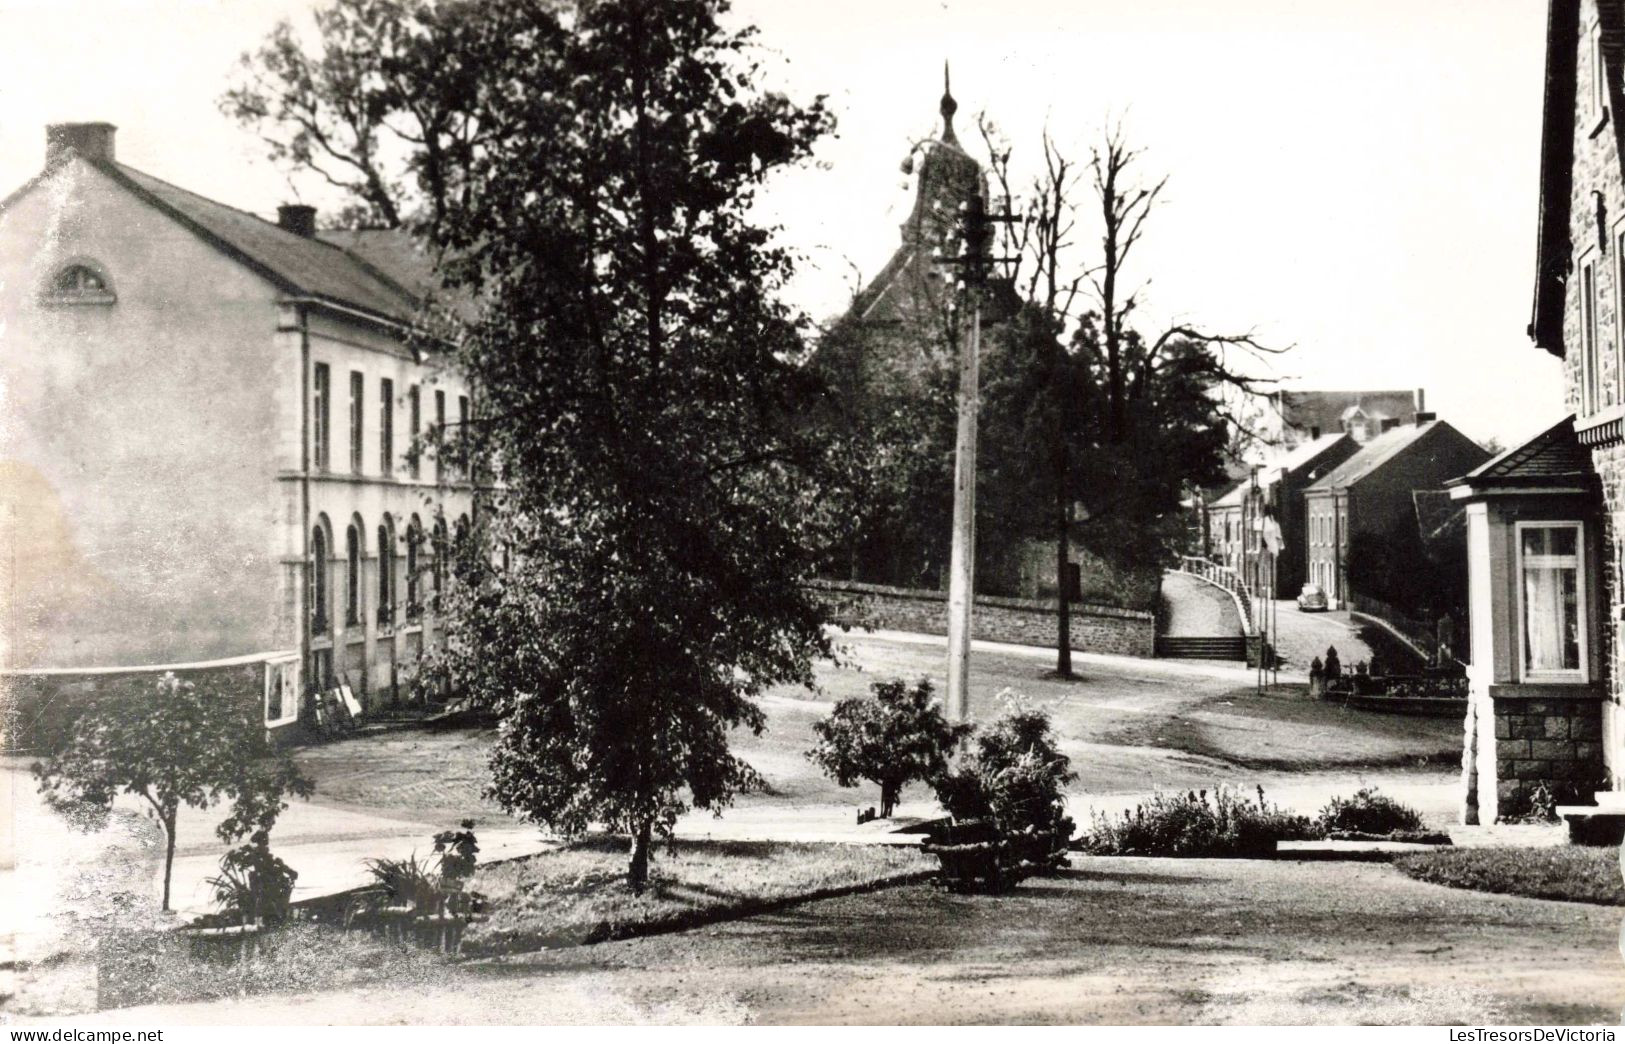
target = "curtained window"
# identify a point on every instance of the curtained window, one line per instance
(1551, 587)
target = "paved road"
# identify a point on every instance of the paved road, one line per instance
(1111, 941)
(1194, 608)
(1304, 636)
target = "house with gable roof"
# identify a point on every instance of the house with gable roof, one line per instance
(1368, 497)
(206, 465)
(1545, 529)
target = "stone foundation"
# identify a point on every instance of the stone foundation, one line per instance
(1094, 628)
(1556, 742)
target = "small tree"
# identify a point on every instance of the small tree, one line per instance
(175, 745)
(893, 736)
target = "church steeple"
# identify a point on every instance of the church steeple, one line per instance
(948, 107)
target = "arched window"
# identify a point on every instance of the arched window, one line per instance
(80, 282)
(318, 581)
(414, 538)
(352, 572)
(386, 576)
(442, 550)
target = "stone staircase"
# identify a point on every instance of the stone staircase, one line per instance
(1214, 647)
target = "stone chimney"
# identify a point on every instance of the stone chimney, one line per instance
(297, 218)
(1421, 400)
(93, 141)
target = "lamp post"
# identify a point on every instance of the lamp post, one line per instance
(973, 262)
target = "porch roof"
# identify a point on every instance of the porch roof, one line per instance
(1552, 458)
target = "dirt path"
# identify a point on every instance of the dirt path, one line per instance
(1112, 941)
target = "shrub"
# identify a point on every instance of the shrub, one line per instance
(893, 736)
(253, 884)
(1368, 812)
(1014, 775)
(1193, 825)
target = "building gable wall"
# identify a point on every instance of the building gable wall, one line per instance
(141, 438)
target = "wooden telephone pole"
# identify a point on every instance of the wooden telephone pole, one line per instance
(974, 262)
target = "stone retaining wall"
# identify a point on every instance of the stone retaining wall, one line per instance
(1019, 621)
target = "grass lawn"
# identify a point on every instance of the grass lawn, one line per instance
(1126, 727)
(579, 894)
(1573, 873)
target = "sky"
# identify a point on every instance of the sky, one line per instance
(1357, 181)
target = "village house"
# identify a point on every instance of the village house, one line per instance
(1544, 518)
(1297, 417)
(1237, 521)
(1371, 497)
(208, 462)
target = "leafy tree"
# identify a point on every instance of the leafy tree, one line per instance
(895, 735)
(655, 503)
(177, 744)
(1093, 433)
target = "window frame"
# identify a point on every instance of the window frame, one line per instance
(1590, 337)
(414, 407)
(386, 426)
(321, 391)
(52, 293)
(358, 421)
(1582, 607)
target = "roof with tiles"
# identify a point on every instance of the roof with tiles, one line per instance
(1300, 457)
(1554, 457)
(1377, 452)
(303, 265)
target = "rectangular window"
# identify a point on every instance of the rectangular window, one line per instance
(1551, 589)
(462, 436)
(439, 433)
(321, 396)
(414, 408)
(1589, 375)
(357, 418)
(1599, 79)
(386, 426)
(1619, 317)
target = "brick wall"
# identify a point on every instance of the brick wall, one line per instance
(37, 710)
(1095, 628)
(1556, 742)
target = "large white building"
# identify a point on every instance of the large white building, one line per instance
(205, 461)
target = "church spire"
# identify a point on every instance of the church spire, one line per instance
(948, 108)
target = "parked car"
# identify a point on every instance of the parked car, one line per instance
(1312, 599)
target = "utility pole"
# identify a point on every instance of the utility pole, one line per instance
(973, 261)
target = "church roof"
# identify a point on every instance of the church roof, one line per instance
(911, 279)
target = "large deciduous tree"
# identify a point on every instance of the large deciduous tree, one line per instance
(636, 375)
(1092, 433)
(172, 745)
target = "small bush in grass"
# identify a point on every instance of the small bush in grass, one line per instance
(1368, 812)
(1193, 824)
